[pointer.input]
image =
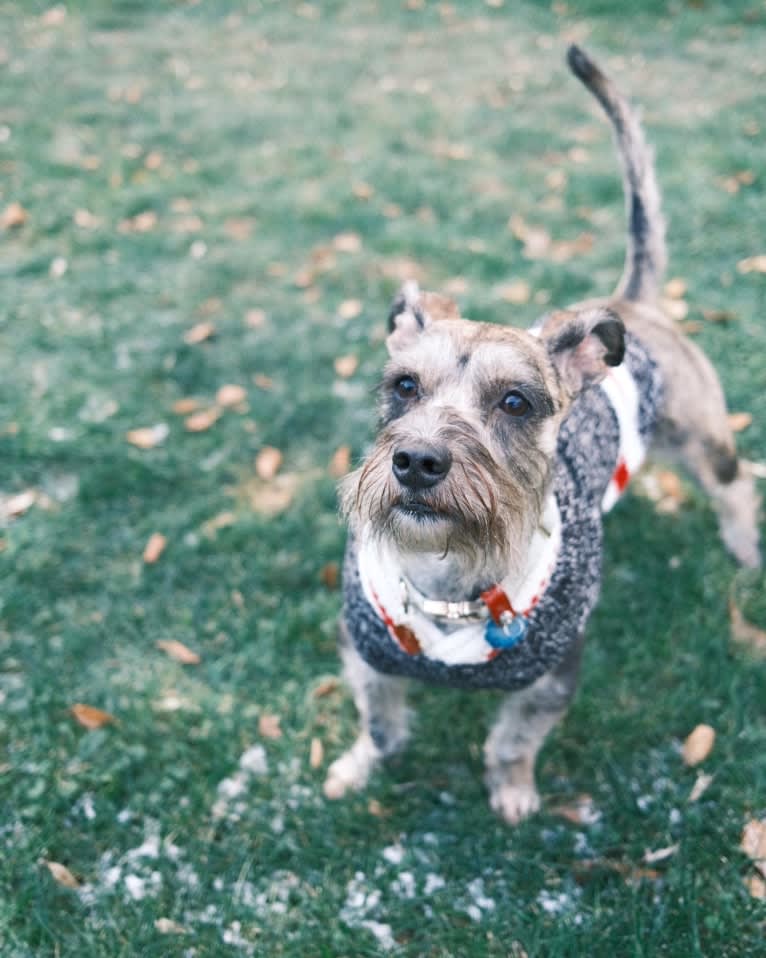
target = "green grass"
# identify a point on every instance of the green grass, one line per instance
(271, 112)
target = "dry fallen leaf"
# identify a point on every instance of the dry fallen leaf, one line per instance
(230, 395)
(347, 242)
(91, 718)
(345, 366)
(270, 498)
(744, 633)
(753, 843)
(363, 191)
(340, 462)
(154, 547)
(675, 288)
(199, 333)
(698, 745)
(17, 505)
(178, 652)
(148, 437)
(670, 485)
(263, 382)
(375, 808)
(719, 315)
(756, 886)
(268, 726)
(700, 786)
(13, 216)
(677, 309)
(350, 309)
(267, 462)
(166, 926)
(182, 407)
(222, 521)
(582, 811)
(316, 754)
(752, 264)
(143, 222)
(660, 854)
(739, 421)
(517, 292)
(202, 420)
(330, 574)
(239, 228)
(61, 875)
(326, 687)
(255, 318)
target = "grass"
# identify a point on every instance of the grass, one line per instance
(246, 129)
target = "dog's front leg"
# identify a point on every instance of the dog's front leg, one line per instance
(380, 700)
(525, 719)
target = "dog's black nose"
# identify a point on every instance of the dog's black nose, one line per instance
(421, 468)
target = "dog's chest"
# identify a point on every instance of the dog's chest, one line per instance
(600, 445)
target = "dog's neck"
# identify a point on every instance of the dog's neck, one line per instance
(456, 577)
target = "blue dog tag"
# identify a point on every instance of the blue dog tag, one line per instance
(505, 637)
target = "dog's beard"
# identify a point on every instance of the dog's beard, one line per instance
(476, 514)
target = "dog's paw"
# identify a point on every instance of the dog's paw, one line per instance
(351, 771)
(514, 803)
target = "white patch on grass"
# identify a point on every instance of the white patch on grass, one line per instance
(404, 885)
(558, 903)
(479, 902)
(84, 806)
(394, 854)
(433, 883)
(233, 936)
(360, 906)
(253, 763)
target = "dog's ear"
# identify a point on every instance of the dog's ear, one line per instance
(413, 310)
(583, 345)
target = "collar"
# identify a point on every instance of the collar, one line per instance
(459, 632)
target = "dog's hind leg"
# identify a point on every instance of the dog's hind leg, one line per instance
(525, 719)
(380, 700)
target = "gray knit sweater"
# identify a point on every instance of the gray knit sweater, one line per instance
(587, 453)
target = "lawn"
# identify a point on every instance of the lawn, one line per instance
(198, 195)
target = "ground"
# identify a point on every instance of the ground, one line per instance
(274, 169)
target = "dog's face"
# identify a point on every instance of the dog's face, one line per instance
(470, 414)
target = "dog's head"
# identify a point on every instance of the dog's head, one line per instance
(470, 414)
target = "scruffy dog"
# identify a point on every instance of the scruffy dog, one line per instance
(474, 557)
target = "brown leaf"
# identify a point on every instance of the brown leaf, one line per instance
(363, 191)
(166, 926)
(631, 873)
(187, 224)
(268, 462)
(756, 886)
(350, 309)
(316, 753)
(700, 786)
(326, 687)
(263, 382)
(698, 745)
(202, 420)
(375, 808)
(85, 220)
(670, 484)
(752, 264)
(153, 160)
(91, 718)
(13, 216)
(182, 407)
(340, 462)
(270, 498)
(211, 306)
(580, 812)
(255, 318)
(230, 395)
(345, 366)
(154, 547)
(17, 505)
(719, 315)
(147, 437)
(347, 242)
(222, 521)
(739, 421)
(330, 575)
(239, 228)
(660, 854)
(744, 633)
(517, 292)
(178, 652)
(143, 222)
(268, 726)
(199, 333)
(677, 309)
(61, 875)
(753, 843)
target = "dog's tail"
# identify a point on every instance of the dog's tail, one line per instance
(646, 256)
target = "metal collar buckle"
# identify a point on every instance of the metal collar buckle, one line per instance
(466, 611)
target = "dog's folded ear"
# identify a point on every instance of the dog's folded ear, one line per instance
(413, 310)
(583, 345)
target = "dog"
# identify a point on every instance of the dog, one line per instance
(474, 550)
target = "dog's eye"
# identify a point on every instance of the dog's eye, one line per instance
(405, 387)
(515, 404)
